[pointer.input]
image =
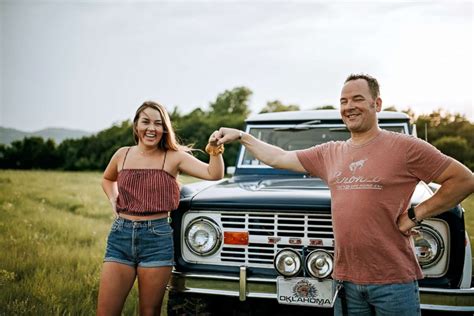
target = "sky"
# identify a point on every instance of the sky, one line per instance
(89, 64)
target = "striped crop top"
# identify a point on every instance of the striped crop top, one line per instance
(146, 191)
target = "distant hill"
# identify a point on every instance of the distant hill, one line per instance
(8, 135)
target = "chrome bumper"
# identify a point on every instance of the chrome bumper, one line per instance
(460, 300)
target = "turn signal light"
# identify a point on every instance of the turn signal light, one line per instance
(236, 238)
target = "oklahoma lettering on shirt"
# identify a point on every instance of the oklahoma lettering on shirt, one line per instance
(371, 185)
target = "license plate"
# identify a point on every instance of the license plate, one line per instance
(306, 291)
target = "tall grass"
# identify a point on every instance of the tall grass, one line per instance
(468, 206)
(53, 229)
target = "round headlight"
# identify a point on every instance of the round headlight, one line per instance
(429, 246)
(287, 262)
(319, 264)
(203, 237)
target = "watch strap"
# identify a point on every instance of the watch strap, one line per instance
(412, 216)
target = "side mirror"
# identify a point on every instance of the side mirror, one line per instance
(230, 170)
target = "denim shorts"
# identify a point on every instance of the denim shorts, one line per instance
(147, 243)
(397, 299)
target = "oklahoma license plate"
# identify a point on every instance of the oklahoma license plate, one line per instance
(306, 291)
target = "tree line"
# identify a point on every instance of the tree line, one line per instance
(453, 134)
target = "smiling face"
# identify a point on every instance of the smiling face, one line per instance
(358, 107)
(149, 127)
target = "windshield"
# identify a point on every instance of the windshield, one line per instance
(290, 138)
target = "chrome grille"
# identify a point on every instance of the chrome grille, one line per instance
(289, 230)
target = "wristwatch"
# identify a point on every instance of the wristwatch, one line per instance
(412, 216)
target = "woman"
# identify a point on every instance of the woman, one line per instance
(140, 182)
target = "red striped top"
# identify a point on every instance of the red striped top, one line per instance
(146, 191)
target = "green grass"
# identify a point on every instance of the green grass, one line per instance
(53, 228)
(468, 206)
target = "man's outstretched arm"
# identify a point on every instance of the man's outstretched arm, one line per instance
(268, 154)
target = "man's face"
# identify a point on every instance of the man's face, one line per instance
(358, 108)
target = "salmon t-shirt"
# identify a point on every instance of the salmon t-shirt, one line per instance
(371, 185)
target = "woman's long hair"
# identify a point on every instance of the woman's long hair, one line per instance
(168, 139)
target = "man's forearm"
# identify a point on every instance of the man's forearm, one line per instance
(447, 196)
(266, 153)
(457, 183)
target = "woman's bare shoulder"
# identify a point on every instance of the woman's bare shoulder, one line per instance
(179, 154)
(119, 155)
(122, 151)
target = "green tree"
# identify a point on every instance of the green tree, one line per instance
(451, 133)
(232, 102)
(441, 123)
(454, 146)
(193, 129)
(94, 152)
(325, 107)
(229, 109)
(30, 153)
(391, 108)
(408, 112)
(277, 106)
(175, 115)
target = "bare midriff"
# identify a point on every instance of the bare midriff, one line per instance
(144, 217)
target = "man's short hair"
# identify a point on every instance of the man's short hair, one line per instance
(374, 87)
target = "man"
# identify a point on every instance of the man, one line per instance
(372, 177)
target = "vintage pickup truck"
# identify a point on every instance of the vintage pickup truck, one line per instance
(262, 240)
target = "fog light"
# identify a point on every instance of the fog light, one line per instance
(287, 262)
(429, 246)
(319, 264)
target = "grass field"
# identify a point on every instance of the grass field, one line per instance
(53, 228)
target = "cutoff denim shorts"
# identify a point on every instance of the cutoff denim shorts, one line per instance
(147, 243)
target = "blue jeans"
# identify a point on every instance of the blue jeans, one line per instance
(397, 299)
(147, 243)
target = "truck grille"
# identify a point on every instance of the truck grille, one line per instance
(270, 232)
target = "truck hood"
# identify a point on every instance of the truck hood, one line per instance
(270, 193)
(267, 193)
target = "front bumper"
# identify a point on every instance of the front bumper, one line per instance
(460, 300)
